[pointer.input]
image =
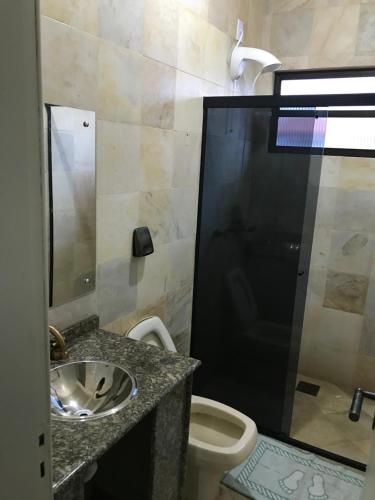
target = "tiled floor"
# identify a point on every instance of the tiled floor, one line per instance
(323, 421)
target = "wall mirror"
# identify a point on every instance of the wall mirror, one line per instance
(72, 203)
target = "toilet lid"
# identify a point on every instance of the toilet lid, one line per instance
(152, 331)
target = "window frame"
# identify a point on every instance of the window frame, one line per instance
(321, 73)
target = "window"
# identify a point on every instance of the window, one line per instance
(341, 130)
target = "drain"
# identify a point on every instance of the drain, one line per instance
(83, 413)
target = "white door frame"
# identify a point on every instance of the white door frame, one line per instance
(25, 454)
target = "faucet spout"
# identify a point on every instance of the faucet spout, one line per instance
(58, 345)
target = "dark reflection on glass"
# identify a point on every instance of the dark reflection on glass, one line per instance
(253, 255)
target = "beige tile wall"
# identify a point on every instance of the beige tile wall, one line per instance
(338, 342)
(143, 66)
(317, 34)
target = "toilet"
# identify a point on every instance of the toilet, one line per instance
(220, 437)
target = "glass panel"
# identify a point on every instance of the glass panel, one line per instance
(350, 133)
(298, 131)
(340, 130)
(338, 348)
(254, 242)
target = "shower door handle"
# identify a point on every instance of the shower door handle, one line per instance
(357, 402)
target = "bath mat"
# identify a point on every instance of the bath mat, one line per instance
(276, 471)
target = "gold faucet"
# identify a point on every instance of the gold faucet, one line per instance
(58, 345)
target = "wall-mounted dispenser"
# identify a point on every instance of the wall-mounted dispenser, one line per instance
(142, 242)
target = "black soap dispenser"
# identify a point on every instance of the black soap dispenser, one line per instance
(142, 242)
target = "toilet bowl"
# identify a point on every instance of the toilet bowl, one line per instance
(220, 437)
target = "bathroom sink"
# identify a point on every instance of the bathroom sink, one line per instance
(84, 390)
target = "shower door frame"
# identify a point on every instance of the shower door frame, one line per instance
(276, 102)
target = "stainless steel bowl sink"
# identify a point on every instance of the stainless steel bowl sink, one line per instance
(84, 390)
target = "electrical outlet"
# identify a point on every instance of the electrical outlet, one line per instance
(239, 29)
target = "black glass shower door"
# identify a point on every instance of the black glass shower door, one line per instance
(259, 184)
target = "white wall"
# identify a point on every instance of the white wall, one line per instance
(24, 364)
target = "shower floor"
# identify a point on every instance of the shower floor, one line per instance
(322, 421)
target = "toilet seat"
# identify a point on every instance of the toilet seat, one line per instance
(234, 434)
(152, 331)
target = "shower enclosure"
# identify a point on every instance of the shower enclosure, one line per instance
(261, 170)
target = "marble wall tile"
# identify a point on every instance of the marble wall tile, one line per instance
(82, 14)
(181, 263)
(199, 7)
(216, 50)
(155, 211)
(240, 9)
(117, 26)
(115, 326)
(122, 324)
(310, 319)
(161, 31)
(351, 251)
(326, 207)
(330, 173)
(186, 159)
(116, 292)
(366, 29)
(159, 308)
(367, 345)
(363, 60)
(316, 287)
(117, 157)
(152, 277)
(73, 81)
(370, 309)
(330, 60)
(188, 108)
(368, 332)
(288, 5)
(333, 365)
(365, 372)
(191, 42)
(179, 310)
(355, 211)
(74, 311)
(346, 292)
(291, 32)
(299, 62)
(158, 94)
(119, 84)
(255, 30)
(118, 216)
(334, 31)
(338, 330)
(218, 13)
(145, 175)
(182, 342)
(320, 247)
(357, 174)
(184, 206)
(210, 89)
(156, 158)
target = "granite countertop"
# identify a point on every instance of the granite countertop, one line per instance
(77, 444)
